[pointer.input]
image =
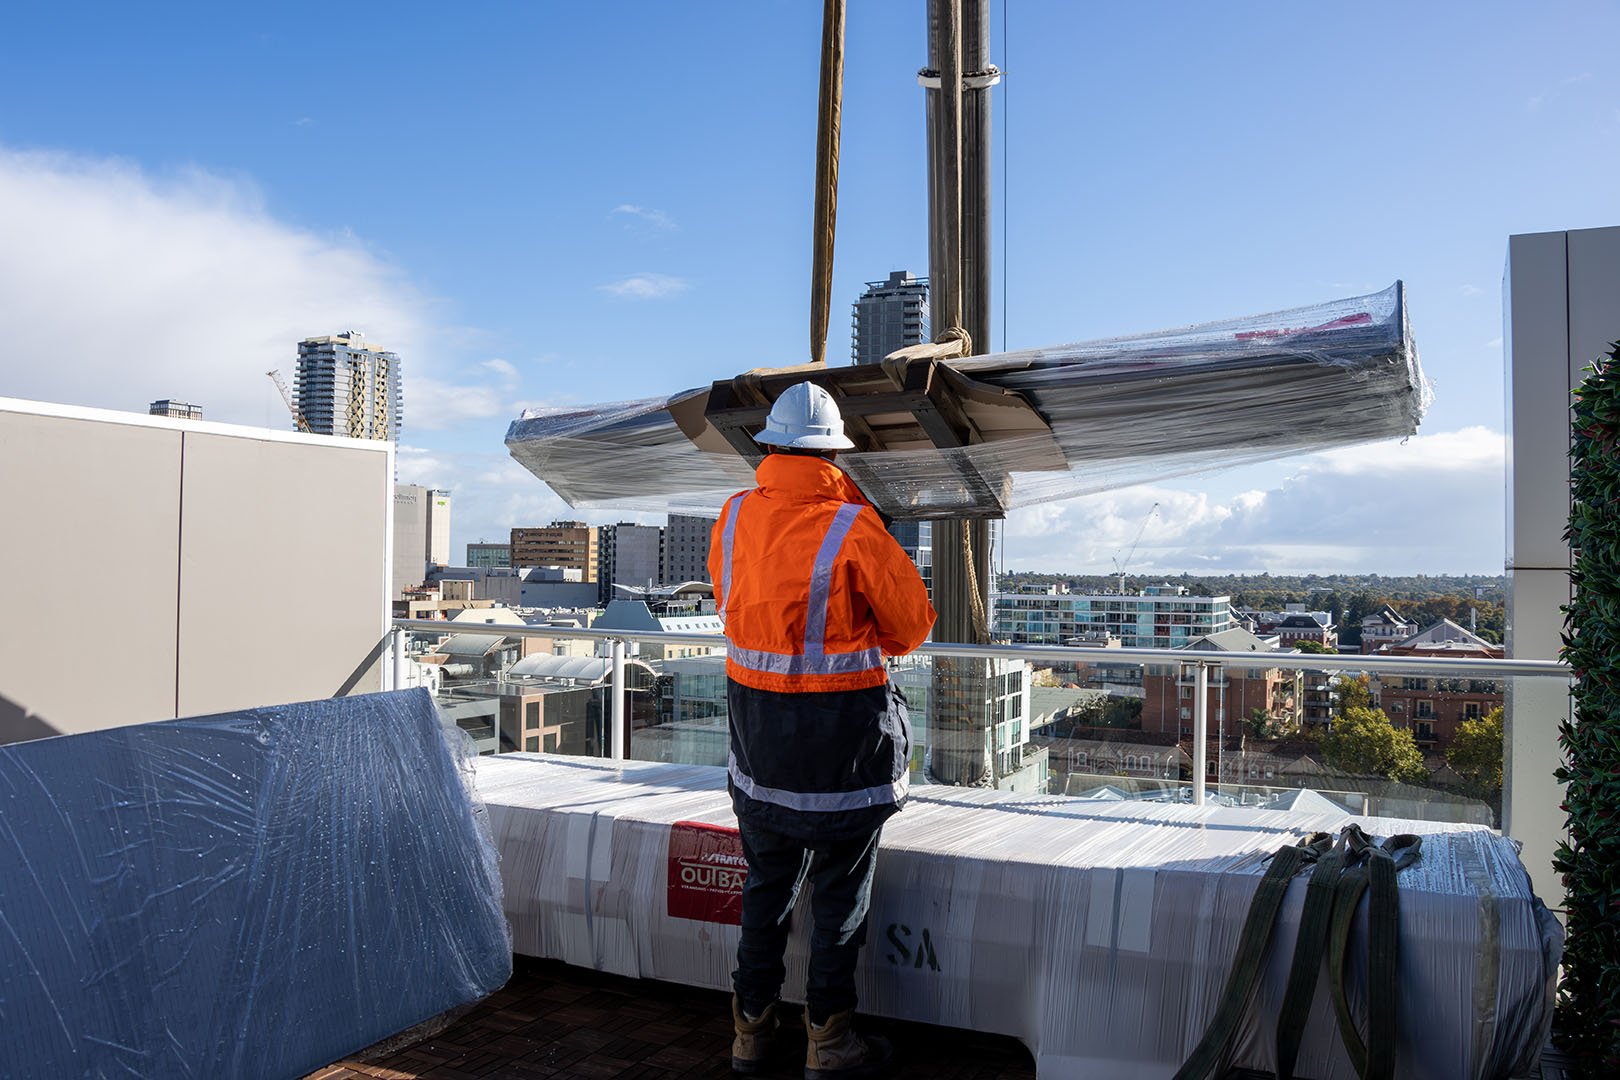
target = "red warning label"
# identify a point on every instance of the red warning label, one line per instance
(706, 873)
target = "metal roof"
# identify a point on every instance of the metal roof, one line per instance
(545, 666)
(469, 644)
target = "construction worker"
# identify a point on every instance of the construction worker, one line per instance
(813, 592)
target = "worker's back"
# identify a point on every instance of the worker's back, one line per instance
(814, 591)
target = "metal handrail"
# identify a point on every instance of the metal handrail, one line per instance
(1416, 665)
(1201, 662)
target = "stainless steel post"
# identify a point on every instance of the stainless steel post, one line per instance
(1200, 731)
(618, 700)
(397, 647)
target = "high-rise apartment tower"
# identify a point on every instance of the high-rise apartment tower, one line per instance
(916, 538)
(344, 386)
(889, 315)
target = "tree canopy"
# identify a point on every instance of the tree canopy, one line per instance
(1355, 692)
(1476, 754)
(1363, 742)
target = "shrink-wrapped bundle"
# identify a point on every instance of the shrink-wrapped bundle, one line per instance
(1035, 425)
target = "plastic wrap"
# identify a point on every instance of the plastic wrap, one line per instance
(1099, 934)
(1121, 411)
(254, 894)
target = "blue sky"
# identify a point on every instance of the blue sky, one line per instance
(536, 204)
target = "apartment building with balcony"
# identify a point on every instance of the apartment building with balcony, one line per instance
(1433, 707)
(1235, 692)
(347, 386)
(1158, 616)
(889, 315)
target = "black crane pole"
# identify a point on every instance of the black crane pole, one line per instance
(959, 160)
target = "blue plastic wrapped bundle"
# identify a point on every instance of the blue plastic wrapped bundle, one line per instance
(253, 894)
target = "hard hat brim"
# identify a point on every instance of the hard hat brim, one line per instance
(804, 442)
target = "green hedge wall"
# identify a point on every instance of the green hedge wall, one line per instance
(1589, 997)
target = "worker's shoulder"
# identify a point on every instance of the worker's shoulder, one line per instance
(867, 526)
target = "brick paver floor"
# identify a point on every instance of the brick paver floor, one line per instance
(554, 1022)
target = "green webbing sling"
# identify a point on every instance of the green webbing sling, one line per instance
(1251, 953)
(1344, 871)
(1307, 962)
(1383, 976)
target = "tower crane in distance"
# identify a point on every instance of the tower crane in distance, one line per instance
(1121, 567)
(298, 417)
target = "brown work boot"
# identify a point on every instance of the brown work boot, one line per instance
(752, 1043)
(835, 1052)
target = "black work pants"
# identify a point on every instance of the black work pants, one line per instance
(840, 875)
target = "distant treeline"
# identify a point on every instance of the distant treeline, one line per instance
(1423, 599)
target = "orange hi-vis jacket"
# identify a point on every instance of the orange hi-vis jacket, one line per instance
(811, 587)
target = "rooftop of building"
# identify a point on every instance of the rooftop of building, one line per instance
(1445, 636)
(1236, 639)
(1386, 616)
(352, 339)
(897, 279)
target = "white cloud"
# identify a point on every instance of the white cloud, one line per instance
(1471, 290)
(117, 288)
(646, 286)
(435, 406)
(1433, 503)
(506, 371)
(657, 219)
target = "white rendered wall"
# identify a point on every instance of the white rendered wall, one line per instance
(192, 567)
(1561, 309)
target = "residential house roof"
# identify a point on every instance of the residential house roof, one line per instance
(1386, 616)
(1445, 636)
(1236, 639)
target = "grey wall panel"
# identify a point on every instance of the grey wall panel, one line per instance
(1594, 297)
(1562, 309)
(1536, 354)
(1535, 708)
(284, 576)
(88, 535)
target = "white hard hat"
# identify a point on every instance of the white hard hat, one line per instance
(805, 417)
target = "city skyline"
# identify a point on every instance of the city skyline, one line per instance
(179, 231)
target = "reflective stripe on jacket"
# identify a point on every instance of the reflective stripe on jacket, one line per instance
(811, 587)
(818, 765)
